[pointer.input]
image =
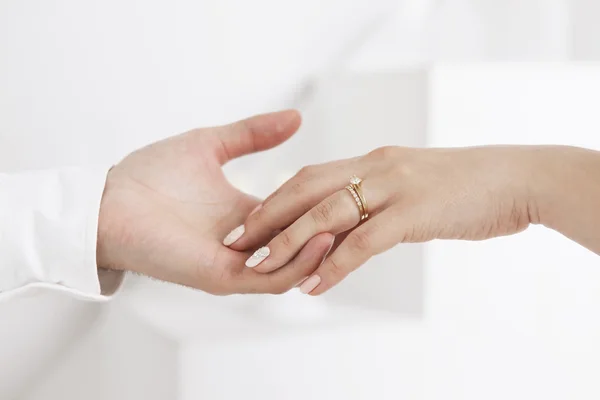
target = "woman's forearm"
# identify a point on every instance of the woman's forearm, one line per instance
(567, 192)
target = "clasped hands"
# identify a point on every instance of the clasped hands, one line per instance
(168, 211)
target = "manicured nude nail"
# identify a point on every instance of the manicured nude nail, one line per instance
(258, 257)
(310, 284)
(234, 235)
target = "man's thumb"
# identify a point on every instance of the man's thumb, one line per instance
(257, 133)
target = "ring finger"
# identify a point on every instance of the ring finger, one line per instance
(336, 214)
(290, 201)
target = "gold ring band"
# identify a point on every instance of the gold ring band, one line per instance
(355, 190)
(363, 201)
(361, 210)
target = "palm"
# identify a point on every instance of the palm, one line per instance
(175, 204)
(188, 192)
(190, 187)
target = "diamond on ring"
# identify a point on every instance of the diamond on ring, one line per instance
(355, 180)
(356, 190)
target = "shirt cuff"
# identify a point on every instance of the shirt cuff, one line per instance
(49, 228)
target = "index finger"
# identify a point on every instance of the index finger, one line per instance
(292, 200)
(284, 279)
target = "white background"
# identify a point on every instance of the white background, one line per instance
(87, 82)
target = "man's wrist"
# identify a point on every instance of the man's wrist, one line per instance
(104, 218)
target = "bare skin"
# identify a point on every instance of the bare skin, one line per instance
(417, 195)
(167, 206)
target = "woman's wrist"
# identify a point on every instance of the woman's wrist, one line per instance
(565, 184)
(546, 182)
(535, 167)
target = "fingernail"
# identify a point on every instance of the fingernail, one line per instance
(234, 235)
(258, 207)
(301, 282)
(258, 257)
(310, 284)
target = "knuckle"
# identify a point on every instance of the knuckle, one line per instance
(297, 188)
(403, 170)
(336, 270)
(306, 172)
(383, 153)
(295, 185)
(285, 239)
(259, 221)
(261, 214)
(241, 125)
(360, 241)
(273, 195)
(322, 213)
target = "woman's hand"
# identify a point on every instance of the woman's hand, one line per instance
(413, 195)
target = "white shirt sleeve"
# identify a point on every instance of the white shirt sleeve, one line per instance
(48, 229)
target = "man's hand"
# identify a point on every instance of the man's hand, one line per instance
(166, 208)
